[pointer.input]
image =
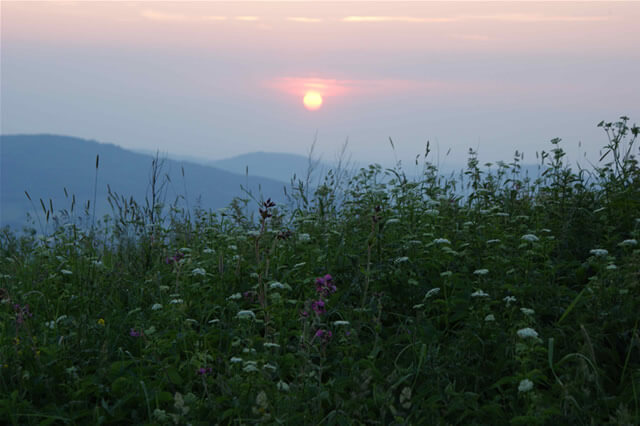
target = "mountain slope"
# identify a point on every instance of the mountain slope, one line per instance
(279, 166)
(44, 165)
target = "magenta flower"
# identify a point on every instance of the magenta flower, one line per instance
(319, 307)
(324, 335)
(325, 285)
(204, 370)
(22, 313)
(174, 259)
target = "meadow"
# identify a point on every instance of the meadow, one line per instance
(372, 298)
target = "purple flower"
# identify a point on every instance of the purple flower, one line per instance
(134, 333)
(174, 259)
(324, 335)
(22, 313)
(304, 314)
(204, 370)
(318, 307)
(325, 285)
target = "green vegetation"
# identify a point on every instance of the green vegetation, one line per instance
(517, 304)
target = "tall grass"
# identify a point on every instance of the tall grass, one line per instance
(376, 299)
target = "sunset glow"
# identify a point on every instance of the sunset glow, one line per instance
(312, 100)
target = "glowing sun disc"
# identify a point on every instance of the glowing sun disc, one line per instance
(312, 100)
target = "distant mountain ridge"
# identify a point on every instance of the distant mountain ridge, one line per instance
(45, 165)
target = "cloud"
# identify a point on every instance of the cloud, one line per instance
(303, 19)
(471, 37)
(247, 18)
(394, 19)
(514, 17)
(177, 17)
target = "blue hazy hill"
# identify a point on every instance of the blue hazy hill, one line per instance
(44, 165)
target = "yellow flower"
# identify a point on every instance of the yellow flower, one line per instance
(101, 321)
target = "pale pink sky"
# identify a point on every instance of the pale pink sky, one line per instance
(215, 79)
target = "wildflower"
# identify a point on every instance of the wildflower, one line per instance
(199, 271)
(611, 266)
(235, 360)
(276, 285)
(441, 241)
(282, 386)
(176, 301)
(527, 311)
(250, 368)
(246, 315)
(268, 366)
(431, 292)
(156, 306)
(479, 293)
(599, 252)
(304, 238)
(22, 313)
(324, 335)
(235, 296)
(525, 333)
(100, 322)
(629, 243)
(204, 370)
(177, 257)
(401, 259)
(525, 385)
(208, 251)
(481, 272)
(318, 307)
(530, 238)
(339, 323)
(65, 272)
(325, 286)
(490, 318)
(405, 398)
(160, 415)
(509, 299)
(134, 333)
(304, 314)
(270, 345)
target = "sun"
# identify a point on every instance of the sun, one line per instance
(312, 100)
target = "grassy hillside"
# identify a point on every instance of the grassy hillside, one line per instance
(366, 302)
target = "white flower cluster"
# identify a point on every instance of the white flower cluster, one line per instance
(509, 300)
(481, 272)
(599, 252)
(525, 385)
(530, 237)
(199, 271)
(479, 293)
(526, 333)
(441, 241)
(246, 315)
(629, 243)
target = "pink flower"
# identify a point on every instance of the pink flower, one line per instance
(318, 307)
(324, 335)
(325, 286)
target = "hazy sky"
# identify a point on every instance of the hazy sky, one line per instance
(216, 79)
